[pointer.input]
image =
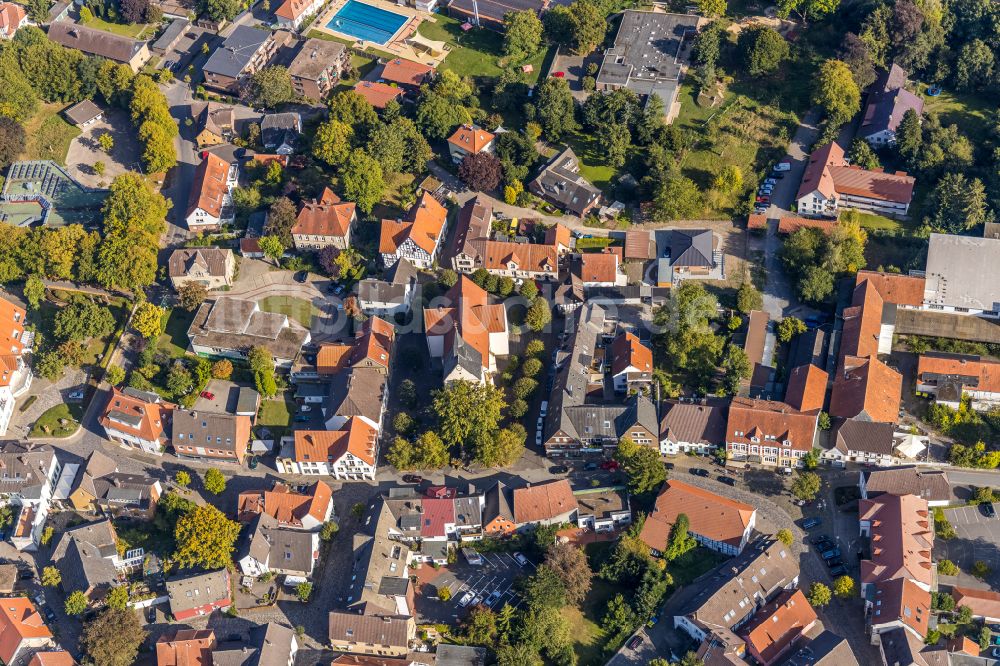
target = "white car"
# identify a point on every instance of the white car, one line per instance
(770, 181)
(305, 408)
(466, 598)
(783, 166)
(545, 408)
(521, 559)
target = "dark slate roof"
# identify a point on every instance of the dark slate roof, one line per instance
(84, 555)
(94, 42)
(236, 51)
(691, 247)
(867, 436)
(498, 502)
(460, 655)
(280, 128)
(211, 587)
(390, 289)
(24, 468)
(687, 422)
(562, 182)
(267, 645)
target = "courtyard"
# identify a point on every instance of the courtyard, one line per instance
(85, 151)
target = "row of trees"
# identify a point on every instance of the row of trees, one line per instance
(814, 258)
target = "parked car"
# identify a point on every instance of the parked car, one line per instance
(834, 562)
(493, 598)
(545, 408)
(669, 466)
(521, 559)
(830, 554)
(988, 510)
(301, 418)
(634, 642)
(50, 615)
(412, 478)
(332, 287)
(818, 539)
(558, 469)
(466, 598)
(75, 395)
(301, 276)
(770, 181)
(698, 471)
(764, 199)
(653, 620)
(838, 571)
(208, 395)
(339, 290)
(610, 465)
(810, 523)
(253, 462)
(590, 467)
(538, 438)
(728, 480)
(783, 166)
(305, 409)
(995, 652)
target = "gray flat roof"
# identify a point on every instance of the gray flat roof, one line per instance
(963, 272)
(647, 52)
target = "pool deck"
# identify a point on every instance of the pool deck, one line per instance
(404, 44)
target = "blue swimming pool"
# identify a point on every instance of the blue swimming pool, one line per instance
(366, 22)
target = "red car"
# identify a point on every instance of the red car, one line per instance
(207, 395)
(610, 465)
(559, 75)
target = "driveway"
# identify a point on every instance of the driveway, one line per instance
(492, 581)
(978, 540)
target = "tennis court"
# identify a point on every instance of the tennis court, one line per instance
(41, 189)
(366, 22)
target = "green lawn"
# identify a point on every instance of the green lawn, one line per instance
(132, 31)
(591, 154)
(875, 222)
(476, 52)
(276, 414)
(298, 309)
(48, 424)
(973, 114)
(48, 134)
(585, 625)
(174, 339)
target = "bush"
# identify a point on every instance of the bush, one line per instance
(981, 570)
(785, 536)
(182, 479)
(444, 594)
(947, 568)
(531, 367)
(304, 591)
(215, 482)
(329, 530)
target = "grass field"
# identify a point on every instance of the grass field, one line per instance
(48, 424)
(174, 339)
(585, 625)
(135, 31)
(48, 134)
(873, 221)
(591, 154)
(974, 115)
(298, 309)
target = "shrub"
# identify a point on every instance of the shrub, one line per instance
(947, 568)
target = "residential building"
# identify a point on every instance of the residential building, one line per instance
(432, 520)
(380, 582)
(824, 649)
(469, 140)
(726, 602)
(170, 38)
(137, 419)
(12, 17)
(93, 42)
(210, 437)
(649, 55)
(769, 433)
(210, 204)
(581, 420)
(861, 441)
(87, 556)
(904, 291)
(468, 334)
(307, 510)
(417, 237)
(30, 474)
(498, 511)
(268, 548)
(639, 245)
(897, 579)
(476, 246)
(830, 184)
(101, 487)
(602, 509)
(279, 132)
(15, 374)
(291, 13)
(868, 323)
(407, 73)
(317, 68)
(268, 644)
(751, 337)
(806, 389)
(23, 630)
(383, 635)
(631, 364)
(209, 266)
(393, 294)
(351, 452)
(562, 185)
(778, 627)
(601, 269)
(888, 101)
(378, 94)
(198, 594)
(866, 388)
(931, 485)
(899, 646)
(324, 222)
(962, 275)
(984, 604)
(245, 51)
(55, 657)
(690, 254)
(690, 427)
(185, 647)
(548, 503)
(718, 523)
(951, 377)
(228, 327)
(216, 124)
(82, 114)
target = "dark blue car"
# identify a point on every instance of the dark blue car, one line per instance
(810, 523)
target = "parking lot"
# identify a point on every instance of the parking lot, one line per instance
(491, 583)
(978, 539)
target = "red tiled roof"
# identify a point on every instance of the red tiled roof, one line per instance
(816, 175)
(471, 139)
(185, 647)
(901, 538)
(862, 322)
(711, 516)
(766, 418)
(895, 288)
(984, 603)
(328, 216)
(423, 223)
(406, 72)
(292, 9)
(377, 94)
(639, 245)
(900, 599)
(756, 221)
(776, 626)
(855, 181)
(627, 351)
(356, 436)
(471, 312)
(332, 358)
(806, 388)
(153, 416)
(557, 235)
(543, 501)
(53, 658)
(284, 505)
(436, 512)
(19, 621)
(985, 370)
(209, 186)
(599, 267)
(11, 16)
(791, 224)
(866, 386)
(374, 342)
(11, 327)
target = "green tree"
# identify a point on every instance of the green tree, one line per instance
(83, 320)
(134, 219)
(270, 87)
(34, 291)
(51, 577)
(182, 479)
(106, 142)
(570, 564)
(736, 366)
(222, 369)
(843, 587)
(762, 49)
(947, 568)
(641, 464)
(544, 589)
(810, 461)
(806, 486)
(76, 603)
(985, 638)
(816, 9)
(179, 379)
(12, 138)
(819, 595)
(789, 327)
(539, 315)
(909, 136)
(522, 35)
(214, 481)
(686, 340)
(975, 67)
(113, 638)
(588, 25)
(729, 179)
(836, 92)
(862, 155)
(303, 591)
(114, 375)
(712, 8)
(329, 530)
(502, 449)
(192, 295)
(205, 538)
(272, 247)
(117, 597)
(980, 570)
(332, 142)
(362, 180)
(480, 626)
(680, 540)
(468, 413)
(146, 320)
(785, 536)
(748, 298)
(353, 110)
(675, 197)
(555, 106)
(957, 204)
